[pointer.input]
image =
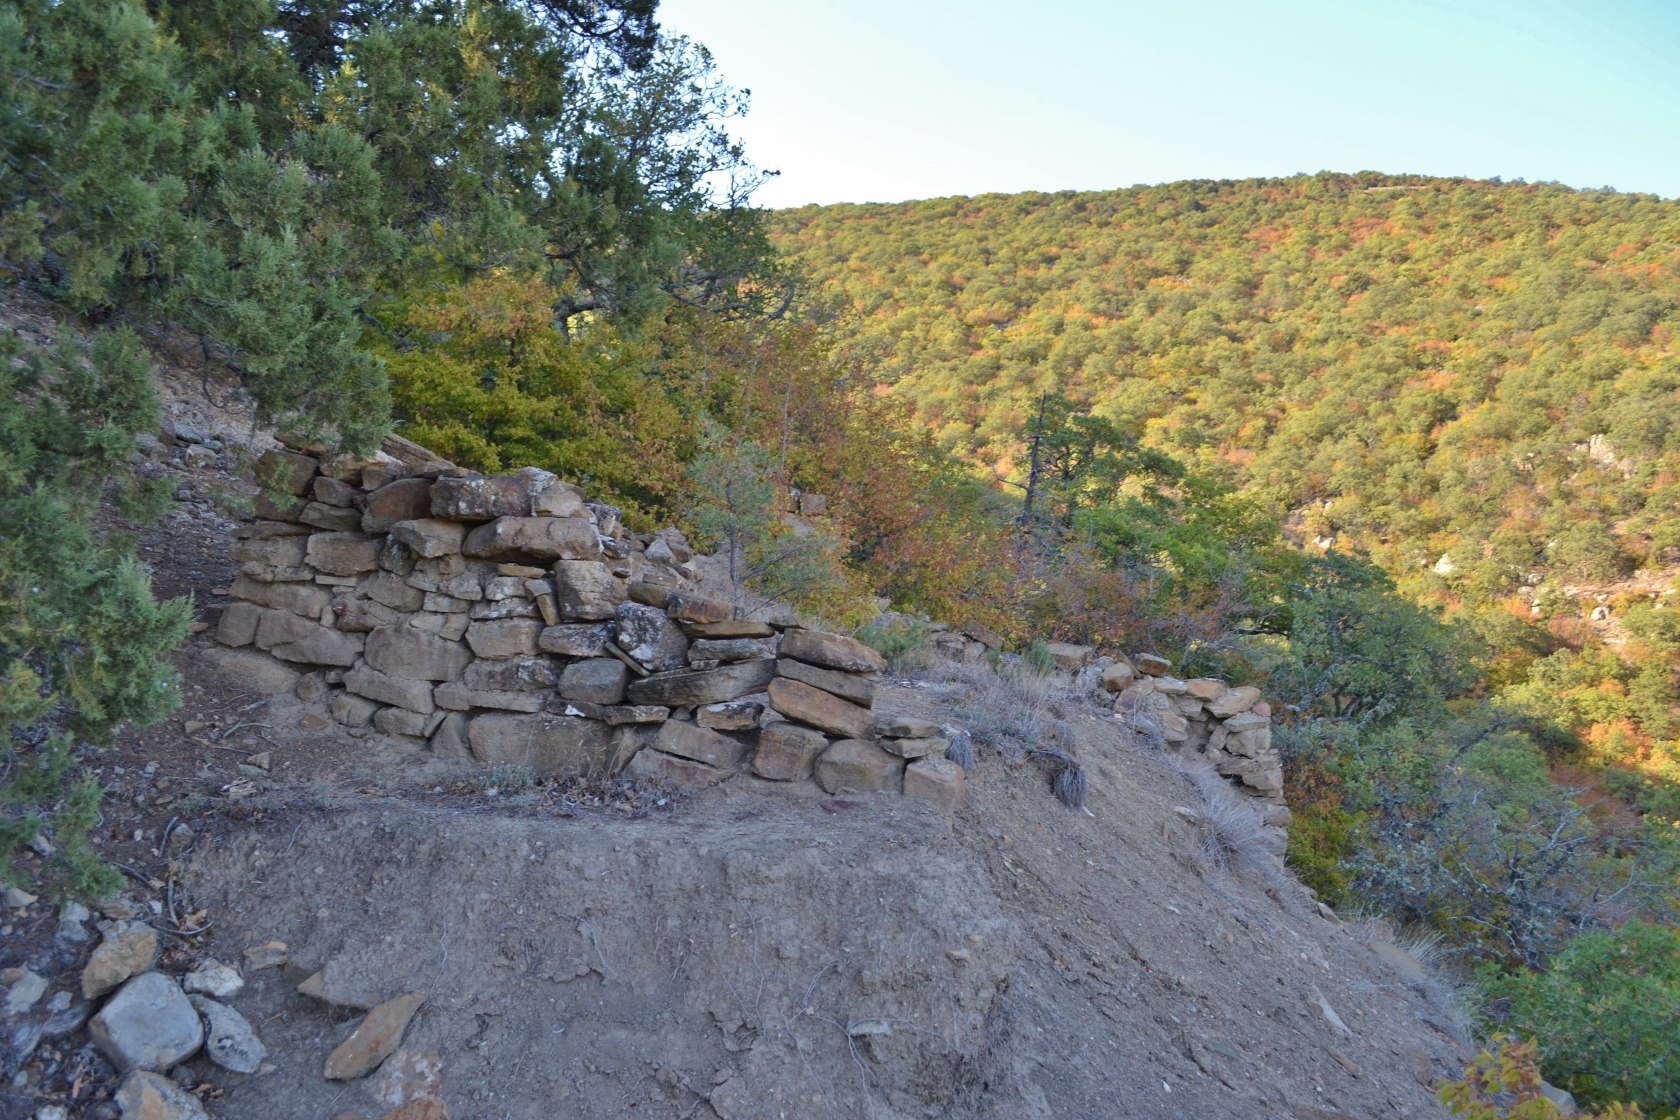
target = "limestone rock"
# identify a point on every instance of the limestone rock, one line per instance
(731, 715)
(1068, 657)
(518, 674)
(539, 538)
(292, 638)
(25, 991)
(799, 701)
(787, 752)
(586, 590)
(694, 608)
(688, 740)
(429, 537)
(128, 949)
(415, 695)
(504, 637)
(917, 748)
(650, 765)
(696, 687)
(298, 598)
(402, 722)
(373, 1039)
(450, 738)
(1152, 665)
(550, 745)
(148, 1096)
(148, 1024)
(352, 710)
(229, 1039)
(405, 499)
(1236, 701)
(210, 977)
(1169, 685)
(858, 765)
(463, 499)
(458, 696)
(730, 649)
(626, 714)
(1117, 676)
(831, 651)
(576, 639)
(344, 554)
(938, 780)
(285, 472)
(390, 590)
(905, 727)
(1206, 688)
(849, 686)
(403, 651)
(331, 518)
(270, 954)
(651, 637)
(256, 672)
(599, 680)
(730, 628)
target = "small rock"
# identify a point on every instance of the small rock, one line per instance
(129, 948)
(25, 992)
(409, 1075)
(373, 1039)
(18, 898)
(260, 760)
(313, 722)
(194, 726)
(148, 1024)
(147, 1096)
(229, 1039)
(270, 954)
(213, 978)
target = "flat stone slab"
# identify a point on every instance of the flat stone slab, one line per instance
(689, 740)
(148, 1024)
(800, 702)
(650, 765)
(831, 651)
(692, 688)
(850, 686)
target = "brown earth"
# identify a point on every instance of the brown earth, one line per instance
(609, 951)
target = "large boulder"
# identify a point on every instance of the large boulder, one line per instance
(148, 1024)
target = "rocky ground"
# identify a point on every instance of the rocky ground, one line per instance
(608, 950)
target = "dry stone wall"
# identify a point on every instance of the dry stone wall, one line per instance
(511, 620)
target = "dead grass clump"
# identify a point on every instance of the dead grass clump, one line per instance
(1018, 713)
(1234, 836)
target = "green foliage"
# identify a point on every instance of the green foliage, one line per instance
(1504, 1083)
(1605, 1015)
(1037, 658)
(903, 642)
(82, 639)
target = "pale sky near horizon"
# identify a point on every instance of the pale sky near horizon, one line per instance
(881, 102)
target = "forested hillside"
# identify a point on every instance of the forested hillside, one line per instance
(1418, 367)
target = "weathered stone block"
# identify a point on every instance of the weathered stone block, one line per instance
(403, 651)
(650, 637)
(831, 651)
(860, 766)
(693, 608)
(238, 624)
(731, 649)
(519, 674)
(857, 689)
(539, 538)
(352, 710)
(1235, 701)
(688, 740)
(576, 639)
(406, 499)
(1246, 721)
(457, 697)
(285, 472)
(548, 744)
(1206, 688)
(787, 752)
(1152, 665)
(586, 590)
(335, 492)
(905, 727)
(414, 695)
(731, 628)
(935, 746)
(401, 721)
(937, 780)
(343, 554)
(148, 1024)
(1117, 676)
(504, 608)
(254, 671)
(622, 715)
(731, 715)
(463, 499)
(1068, 657)
(279, 552)
(291, 637)
(1171, 686)
(430, 537)
(660, 768)
(600, 680)
(799, 701)
(695, 687)
(450, 738)
(650, 594)
(330, 518)
(506, 637)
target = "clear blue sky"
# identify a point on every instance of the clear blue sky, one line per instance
(868, 100)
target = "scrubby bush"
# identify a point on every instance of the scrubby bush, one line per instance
(903, 642)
